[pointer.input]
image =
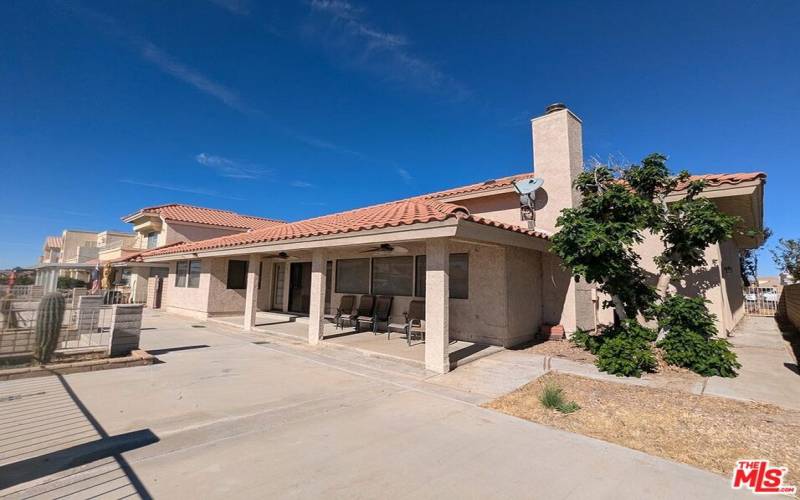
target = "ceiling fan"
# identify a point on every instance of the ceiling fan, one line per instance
(386, 248)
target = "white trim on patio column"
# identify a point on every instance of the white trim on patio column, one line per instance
(250, 304)
(437, 306)
(316, 314)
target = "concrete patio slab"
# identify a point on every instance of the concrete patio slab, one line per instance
(284, 419)
(392, 346)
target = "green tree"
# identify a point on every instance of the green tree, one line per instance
(787, 257)
(619, 206)
(748, 258)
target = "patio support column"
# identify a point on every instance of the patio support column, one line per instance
(437, 306)
(316, 313)
(252, 292)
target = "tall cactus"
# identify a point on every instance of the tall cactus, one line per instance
(49, 317)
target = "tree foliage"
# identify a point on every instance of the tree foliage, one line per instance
(619, 205)
(597, 241)
(748, 258)
(787, 257)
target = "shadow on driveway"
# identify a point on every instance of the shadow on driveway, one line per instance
(46, 430)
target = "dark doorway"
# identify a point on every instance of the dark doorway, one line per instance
(300, 287)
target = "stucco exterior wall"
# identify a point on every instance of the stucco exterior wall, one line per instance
(138, 284)
(732, 279)
(524, 292)
(488, 315)
(222, 300)
(483, 317)
(189, 301)
(719, 281)
(500, 207)
(72, 240)
(173, 232)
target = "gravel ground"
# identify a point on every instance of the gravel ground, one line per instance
(703, 431)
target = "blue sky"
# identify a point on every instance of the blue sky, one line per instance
(293, 109)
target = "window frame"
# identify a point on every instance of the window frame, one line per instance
(194, 275)
(338, 272)
(245, 267)
(181, 276)
(189, 276)
(420, 280)
(410, 276)
(465, 255)
(148, 240)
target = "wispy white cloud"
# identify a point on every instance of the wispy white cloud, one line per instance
(380, 52)
(233, 169)
(404, 174)
(177, 69)
(301, 184)
(204, 84)
(158, 57)
(179, 189)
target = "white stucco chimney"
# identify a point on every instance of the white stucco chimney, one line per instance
(558, 159)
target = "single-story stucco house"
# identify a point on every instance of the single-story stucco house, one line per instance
(478, 258)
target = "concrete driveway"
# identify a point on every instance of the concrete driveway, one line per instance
(229, 414)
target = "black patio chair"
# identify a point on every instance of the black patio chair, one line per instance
(366, 305)
(383, 309)
(346, 305)
(414, 324)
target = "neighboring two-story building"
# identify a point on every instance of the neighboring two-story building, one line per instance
(171, 225)
(76, 253)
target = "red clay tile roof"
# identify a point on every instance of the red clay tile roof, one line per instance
(420, 209)
(481, 186)
(715, 180)
(712, 180)
(53, 242)
(211, 216)
(137, 257)
(394, 214)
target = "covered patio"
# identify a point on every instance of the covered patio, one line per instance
(394, 346)
(480, 280)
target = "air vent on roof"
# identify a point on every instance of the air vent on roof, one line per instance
(489, 182)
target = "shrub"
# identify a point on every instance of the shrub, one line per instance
(626, 356)
(585, 340)
(688, 313)
(552, 397)
(630, 329)
(581, 338)
(707, 357)
(690, 338)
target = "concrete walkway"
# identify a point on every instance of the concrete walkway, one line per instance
(228, 414)
(769, 369)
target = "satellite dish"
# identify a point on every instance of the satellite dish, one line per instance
(528, 186)
(527, 194)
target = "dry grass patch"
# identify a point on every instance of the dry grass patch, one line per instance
(704, 431)
(562, 349)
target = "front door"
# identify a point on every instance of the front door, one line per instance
(300, 287)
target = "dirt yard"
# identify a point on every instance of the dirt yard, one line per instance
(561, 349)
(703, 431)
